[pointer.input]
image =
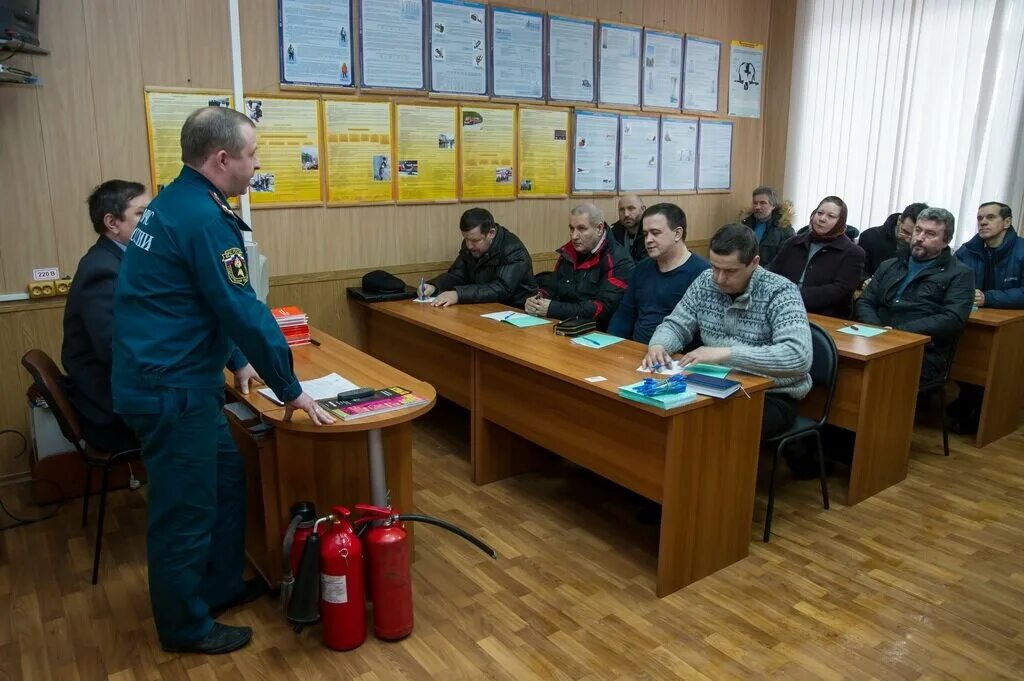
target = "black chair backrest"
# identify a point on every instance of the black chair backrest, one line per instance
(824, 365)
(49, 381)
(950, 358)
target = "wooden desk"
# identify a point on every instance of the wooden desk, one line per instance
(328, 465)
(527, 386)
(991, 354)
(876, 396)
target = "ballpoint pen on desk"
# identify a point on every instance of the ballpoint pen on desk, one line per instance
(422, 291)
(508, 316)
(314, 341)
(589, 340)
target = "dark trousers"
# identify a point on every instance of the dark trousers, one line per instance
(195, 543)
(779, 414)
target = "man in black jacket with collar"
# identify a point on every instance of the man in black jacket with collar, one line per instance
(925, 291)
(114, 208)
(772, 222)
(883, 242)
(493, 266)
(628, 231)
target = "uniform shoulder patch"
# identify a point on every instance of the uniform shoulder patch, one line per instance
(234, 265)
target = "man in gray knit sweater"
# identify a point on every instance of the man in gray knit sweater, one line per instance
(749, 319)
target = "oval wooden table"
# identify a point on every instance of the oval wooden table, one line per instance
(358, 461)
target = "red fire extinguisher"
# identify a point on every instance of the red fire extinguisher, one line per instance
(387, 551)
(342, 597)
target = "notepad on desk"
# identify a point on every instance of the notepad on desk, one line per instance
(713, 370)
(859, 330)
(317, 388)
(596, 340)
(518, 319)
(670, 401)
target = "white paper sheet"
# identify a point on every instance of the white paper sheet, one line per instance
(620, 65)
(318, 388)
(663, 69)
(571, 59)
(700, 75)
(458, 47)
(392, 43)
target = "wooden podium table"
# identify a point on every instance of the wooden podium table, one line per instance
(991, 354)
(876, 395)
(527, 386)
(328, 465)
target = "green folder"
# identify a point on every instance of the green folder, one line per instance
(596, 340)
(866, 331)
(709, 370)
(524, 320)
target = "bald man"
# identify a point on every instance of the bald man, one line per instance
(627, 231)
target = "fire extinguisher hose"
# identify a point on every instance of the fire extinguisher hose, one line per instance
(454, 529)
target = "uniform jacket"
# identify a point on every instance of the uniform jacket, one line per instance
(588, 285)
(184, 307)
(936, 303)
(1007, 269)
(637, 250)
(504, 274)
(832, 276)
(88, 319)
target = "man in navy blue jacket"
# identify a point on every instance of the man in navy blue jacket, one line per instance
(114, 209)
(658, 282)
(996, 255)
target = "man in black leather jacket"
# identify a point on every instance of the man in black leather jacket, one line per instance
(493, 266)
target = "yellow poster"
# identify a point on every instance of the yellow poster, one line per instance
(488, 152)
(543, 151)
(288, 148)
(358, 151)
(427, 163)
(165, 114)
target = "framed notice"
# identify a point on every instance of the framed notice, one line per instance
(166, 111)
(487, 152)
(543, 152)
(595, 152)
(662, 70)
(391, 44)
(288, 133)
(746, 71)
(700, 74)
(316, 42)
(714, 156)
(458, 47)
(678, 167)
(638, 153)
(517, 53)
(571, 59)
(359, 149)
(619, 57)
(427, 155)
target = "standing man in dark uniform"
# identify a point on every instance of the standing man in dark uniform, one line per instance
(183, 310)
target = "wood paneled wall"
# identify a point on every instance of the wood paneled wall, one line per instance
(86, 124)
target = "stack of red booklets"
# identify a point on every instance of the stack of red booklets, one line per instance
(294, 324)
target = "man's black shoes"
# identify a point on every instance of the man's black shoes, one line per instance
(221, 639)
(254, 588)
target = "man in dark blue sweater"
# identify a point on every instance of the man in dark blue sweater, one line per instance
(659, 281)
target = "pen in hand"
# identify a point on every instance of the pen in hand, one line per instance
(423, 288)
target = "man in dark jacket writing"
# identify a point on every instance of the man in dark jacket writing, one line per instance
(493, 266)
(925, 290)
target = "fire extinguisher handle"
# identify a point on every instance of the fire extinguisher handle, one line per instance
(341, 511)
(376, 511)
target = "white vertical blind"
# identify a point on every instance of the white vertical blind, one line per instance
(896, 101)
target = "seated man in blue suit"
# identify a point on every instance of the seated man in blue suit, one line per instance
(114, 208)
(996, 254)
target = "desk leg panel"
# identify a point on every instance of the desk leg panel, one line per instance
(885, 423)
(429, 356)
(619, 442)
(1004, 385)
(709, 482)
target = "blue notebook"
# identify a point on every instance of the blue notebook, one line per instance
(663, 401)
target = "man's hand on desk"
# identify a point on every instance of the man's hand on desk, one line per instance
(537, 306)
(317, 414)
(656, 356)
(426, 290)
(706, 354)
(979, 297)
(445, 299)
(245, 376)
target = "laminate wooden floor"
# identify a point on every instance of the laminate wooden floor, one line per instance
(923, 581)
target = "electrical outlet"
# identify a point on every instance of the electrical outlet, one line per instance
(63, 286)
(41, 289)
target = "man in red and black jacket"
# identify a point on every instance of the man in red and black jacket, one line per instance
(590, 276)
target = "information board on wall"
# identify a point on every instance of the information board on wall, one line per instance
(487, 153)
(458, 47)
(427, 157)
(662, 70)
(746, 71)
(391, 44)
(595, 152)
(571, 59)
(288, 134)
(619, 50)
(517, 53)
(543, 152)
(166, 112)
(316, 42)
(358, 145)
(638, 153)
(700, 74)
(678, 154)
(714, 158)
